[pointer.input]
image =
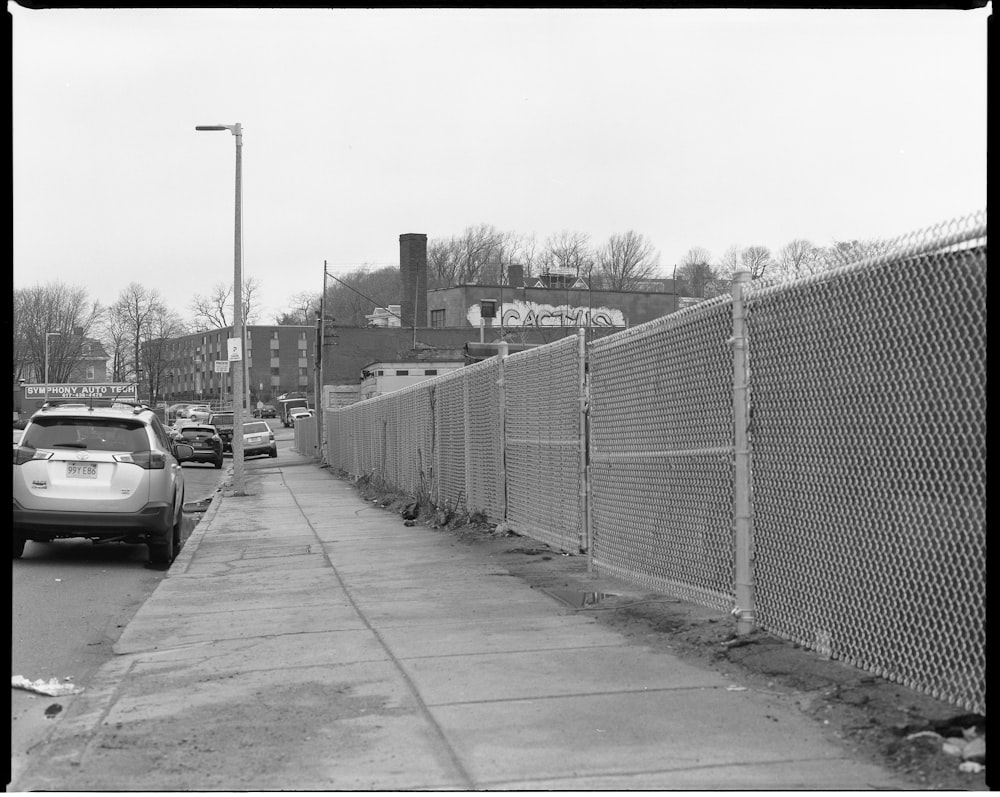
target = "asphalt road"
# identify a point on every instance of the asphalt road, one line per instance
(71, 600)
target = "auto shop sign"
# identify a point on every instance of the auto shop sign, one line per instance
(110, 390)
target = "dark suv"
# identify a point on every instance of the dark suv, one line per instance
(224, 425)
(103, 473)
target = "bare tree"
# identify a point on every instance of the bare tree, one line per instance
(626, 260)
(755, 259)
(798, 258)
(163, 326)
(698, 275)
(215, 311)
(51, 308)
(841, 253)
(302, 311)
(523, 251)
(130, 323)
(352, 296)
(442, 263)
(567, 252)
(479, 254)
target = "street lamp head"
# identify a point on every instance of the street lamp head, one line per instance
(235, 129)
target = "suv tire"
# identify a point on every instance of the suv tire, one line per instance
(163, 553)
(18, 540)
(218, 463)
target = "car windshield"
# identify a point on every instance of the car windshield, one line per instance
(256, 428)
(87, 433)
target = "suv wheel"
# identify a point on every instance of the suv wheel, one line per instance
(18, 540)
(163, 553)
(273, 452)
(218, 463)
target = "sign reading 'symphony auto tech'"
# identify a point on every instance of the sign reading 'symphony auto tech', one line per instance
(108, 390)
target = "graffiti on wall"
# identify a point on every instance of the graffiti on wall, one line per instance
(533, 314)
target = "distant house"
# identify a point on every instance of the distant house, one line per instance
(384, 317)
(92, 365)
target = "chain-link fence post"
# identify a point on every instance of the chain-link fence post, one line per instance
(463, 494)
(502, 350)
(584, 475)
(745, 610)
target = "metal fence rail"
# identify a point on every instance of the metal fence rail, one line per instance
(868, 389)
(845, 511)
(661, 454)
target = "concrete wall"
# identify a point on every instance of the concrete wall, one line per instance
(349, 349)
(540, 306)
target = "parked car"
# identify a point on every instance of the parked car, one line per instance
(258, 439)
(205, 441)
(175, 411)
(102, 473)
(199, 412)
(298, 414)
(267, 411)
(224, 422)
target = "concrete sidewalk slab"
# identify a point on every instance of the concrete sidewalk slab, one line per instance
(498, 635)
(304, 640)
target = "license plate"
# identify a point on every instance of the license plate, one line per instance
(78, 470)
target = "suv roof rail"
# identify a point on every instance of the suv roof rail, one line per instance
(92, 403)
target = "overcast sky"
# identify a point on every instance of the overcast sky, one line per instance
(693, 127)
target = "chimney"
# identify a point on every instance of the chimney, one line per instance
(515, 275)
(413, 274)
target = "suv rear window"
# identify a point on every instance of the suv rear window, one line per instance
(197, 433)
(222, 419)
(95, 434)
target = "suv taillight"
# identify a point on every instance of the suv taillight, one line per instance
(22, 455)
(147, 460)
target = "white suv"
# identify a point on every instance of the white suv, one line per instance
(107, 473)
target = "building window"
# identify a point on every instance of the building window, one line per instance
(402, 373)
(430, 372)
(437, 319)
(90, 373)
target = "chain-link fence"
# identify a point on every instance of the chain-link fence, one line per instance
(868, 441)
(544, 443)
(661, 453)
(847, 513)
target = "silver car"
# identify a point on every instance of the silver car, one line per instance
(107, 473)
(258, 439)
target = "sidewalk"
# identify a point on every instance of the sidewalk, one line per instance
(304, 640)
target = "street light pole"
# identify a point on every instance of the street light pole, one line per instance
(320, 340)
(239, 475)
(47, 336)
